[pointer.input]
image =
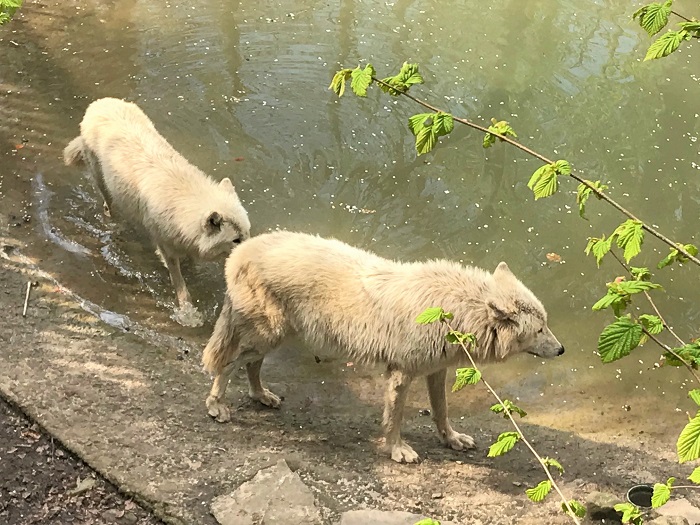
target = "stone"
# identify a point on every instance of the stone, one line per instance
(680, 507)
(275, 496)
(600, 506)
(378, 517)
(668, 520)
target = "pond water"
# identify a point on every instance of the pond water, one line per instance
(240, 89)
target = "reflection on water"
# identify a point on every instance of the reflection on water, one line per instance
(241, 90)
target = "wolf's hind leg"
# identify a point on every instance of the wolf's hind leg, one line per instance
(256, 390)
(215, 404)
(397, 390)
(438, 403)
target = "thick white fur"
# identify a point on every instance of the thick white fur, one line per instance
(144, 180)
(362, 306)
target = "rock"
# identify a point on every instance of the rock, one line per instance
(600, 506)
(378, 517)
(668, 520)
(275, 496)
(680, 507)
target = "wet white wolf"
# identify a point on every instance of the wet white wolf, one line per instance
(350, 301)
(144, 180)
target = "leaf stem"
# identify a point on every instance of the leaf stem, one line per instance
(520, 432)
(598, 192)
(681, 16)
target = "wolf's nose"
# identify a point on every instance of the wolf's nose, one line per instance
(560, 351)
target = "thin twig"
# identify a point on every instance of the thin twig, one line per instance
(26, 299)
(598, 192)
(520, 432)
(681, 16)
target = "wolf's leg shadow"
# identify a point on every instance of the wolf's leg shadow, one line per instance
(216, 407)
(256, 390)
(396, 393)
(438, 403)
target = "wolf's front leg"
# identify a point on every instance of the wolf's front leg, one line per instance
(255, 388)
(172, 263)
(216, 407)
(438, 403)
(397, 390)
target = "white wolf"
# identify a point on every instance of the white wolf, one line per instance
(144, 180)
(364, 307)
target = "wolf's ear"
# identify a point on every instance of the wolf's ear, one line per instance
(213, 222)
(502, 269)
(500, 312)
(226, 183)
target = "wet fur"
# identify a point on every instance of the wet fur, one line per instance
(364, 307)
(144, 180)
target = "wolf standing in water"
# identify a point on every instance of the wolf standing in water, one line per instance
(364, 307)
(144, 180)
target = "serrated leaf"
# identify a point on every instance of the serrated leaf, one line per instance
(653, 17)
(361, 80)
(634, 287)
(505, 442)
(599, 247)
(464, 377)
(512, 408)
(338, 82)
(544, 181)
(653, 324)
(443, 123)
(630, 237)
(611, 299)
(630, 513)
(409, 74)
(455, 337)
(551, 462)
(583, 192)
(562, 167)
(688, 445)
(695, 396)
(618, 339)
(695, 476)
(676, 256)
(419, 121)
(666, 44)
(661, 495)
(489, 140)
(693, 27)
(640, 274)
(425, 140)
(431, 315)
(539, 492)
(578, 509)
(689, 352)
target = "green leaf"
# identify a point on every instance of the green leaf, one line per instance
(338, 82)
(431, 315)
(361, 80)
(618, 339)
(653, 17)
(599, 247)
(579, 510)
(661, 495)
(584, 191)
(551, 462)
(653, 324)
(666, 44)
(443, 123)
(544, 181)
(630, 513)
(630, 237)
(634, 287)
(425, 140)
(640, 274)
(505, 442)
(611, 299)
(692, 27)
(676, 256)
(562, 167)
(695, 396)
(401, 83)
(539, 492)
(454, 337)
(695, 476)
(489, 140)
(428, 521)
(688, 445)
(689, 352)
(466, 376)
(512, 408)
(495, 129)
(418, 122)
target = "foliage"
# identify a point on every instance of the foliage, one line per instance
(630, 513)
(8, 9)
(653, 18)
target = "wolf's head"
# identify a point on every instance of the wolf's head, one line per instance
(225, 223)
(519, 319)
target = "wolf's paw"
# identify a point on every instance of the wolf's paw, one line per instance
(402, 453)
(458, 441)
(266, 398)
(218, 410)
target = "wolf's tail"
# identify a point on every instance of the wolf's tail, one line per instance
(223, 343)
(73, 153)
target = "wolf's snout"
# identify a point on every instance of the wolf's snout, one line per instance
(560, 351)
